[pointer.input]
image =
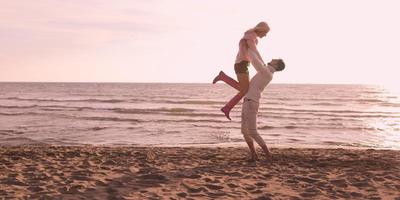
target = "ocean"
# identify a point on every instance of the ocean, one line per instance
(181, 114)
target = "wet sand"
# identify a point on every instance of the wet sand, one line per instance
(88, 172)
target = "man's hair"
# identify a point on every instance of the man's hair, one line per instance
(280, 65)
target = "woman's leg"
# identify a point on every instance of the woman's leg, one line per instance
(243, 88)
(244, 83)
(230, 81)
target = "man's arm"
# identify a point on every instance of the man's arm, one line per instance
(252, 46)
(256, 62)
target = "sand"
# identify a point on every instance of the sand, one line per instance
(88, 172)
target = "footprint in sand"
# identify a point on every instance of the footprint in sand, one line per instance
(231, 185)
(181, 194)
(292, 181)
(307, 194)
(313, 190)
(13, 181)
(215, 194)
(208, 180)
(356, 194)
(214, 187)
(191, 189)
(187, 174)
(101, 183)
(249, 187)
(378, 179)
(261, 184)
(36, 189)
(82, 175)
(339, 183)
(361, 184)
(74, 189)
(306, 179)
(343, 194)
(3, 193)
(154, 177)
(264, 197)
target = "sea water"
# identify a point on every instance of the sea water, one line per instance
(181, 114)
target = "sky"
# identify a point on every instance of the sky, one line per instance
(341, 41)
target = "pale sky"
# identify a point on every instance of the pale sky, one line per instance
(341, 41)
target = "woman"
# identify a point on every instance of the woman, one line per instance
(248, 42)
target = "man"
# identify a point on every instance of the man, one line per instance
(252, 98)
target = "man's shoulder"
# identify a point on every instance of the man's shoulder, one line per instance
(265, 69)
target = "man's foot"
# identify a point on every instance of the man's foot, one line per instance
(268, 156)
(226, 112)
(254, 157)
(218, 77)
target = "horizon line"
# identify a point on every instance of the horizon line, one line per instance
(283, 83)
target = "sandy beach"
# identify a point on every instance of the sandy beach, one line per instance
(88, 172)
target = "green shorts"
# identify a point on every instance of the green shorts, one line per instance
(242, 67)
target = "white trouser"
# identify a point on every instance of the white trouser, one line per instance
(249, 120)
(249, 116)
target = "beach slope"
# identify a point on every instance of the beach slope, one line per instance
(89, 172)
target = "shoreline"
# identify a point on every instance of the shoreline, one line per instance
(112, 172)
(217, 145)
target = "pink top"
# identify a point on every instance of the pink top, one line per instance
(248, 41)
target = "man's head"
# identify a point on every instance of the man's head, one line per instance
(261, 29)
(277, 64)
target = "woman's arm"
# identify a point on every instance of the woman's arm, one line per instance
(252, 46)
(256, 62)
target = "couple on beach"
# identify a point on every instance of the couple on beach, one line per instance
(250, 89)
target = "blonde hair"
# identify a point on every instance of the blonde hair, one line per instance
(262, 26)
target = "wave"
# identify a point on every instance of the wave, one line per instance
(97, 128)
(338, 114)
(326, 104)
(68, 100)
(208, 125)
(17, 141)
(152, 110)
(184, 112)
(47, 107)
(323, 111)
(191, 121)
(95, 118)
(10, 132)
(114, 119)
(189, 101)
(17, 114)
(311, 99)
(324, 117)
(334, 143)
(162, 110)
(55, 107)
(19, 107)
(196, 102)
(171, 112)
(387, 104)
(313, 126)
